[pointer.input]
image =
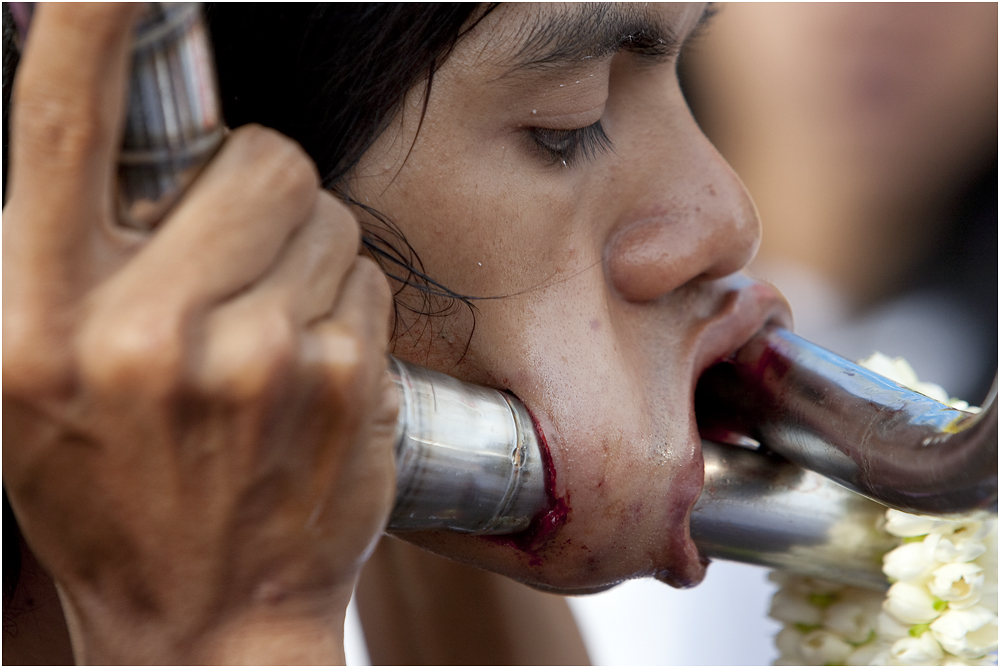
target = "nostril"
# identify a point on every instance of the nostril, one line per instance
(650, 258)
(642, 262)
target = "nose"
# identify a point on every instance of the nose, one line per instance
(688, 218)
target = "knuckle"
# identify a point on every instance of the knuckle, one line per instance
(344, 363)
(67, 131)
(138, 351)
(341, 223)
(379, 295)
(256, 364)
(282, 166)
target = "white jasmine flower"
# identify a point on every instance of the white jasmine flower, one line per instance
(960, 584)
(906, 525)
(853, 620)
(897, 369)
(822, 648)
(922, 651)
(787, 641)
(968, 633)
(910, 603)
(891, 628)
(794, 608)
(911, 561)
(954, 549)
(942, 607)
(872, 654)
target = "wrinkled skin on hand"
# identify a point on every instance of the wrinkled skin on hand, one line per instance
(198, 423)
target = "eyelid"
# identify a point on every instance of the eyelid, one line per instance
(574, 144)
(561, 121)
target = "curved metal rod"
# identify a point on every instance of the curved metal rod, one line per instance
(831, 416)
(761, 509)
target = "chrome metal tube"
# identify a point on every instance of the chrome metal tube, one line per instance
(763, 510)
(173, 123)
(853, 426)
(173, 117)
(467, 457)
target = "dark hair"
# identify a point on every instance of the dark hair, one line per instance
(332, 77)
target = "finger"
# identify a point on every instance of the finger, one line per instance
(309, 273)
(362, 312)
(350, 345)
(251, 344)
(68, 107)
(347, 353)
(230, 228)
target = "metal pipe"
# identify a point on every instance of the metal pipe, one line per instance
(889, 443)
(467, 457)
(173, 122)
(173, 118)
(760, 509)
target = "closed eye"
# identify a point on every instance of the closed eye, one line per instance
(574, 145)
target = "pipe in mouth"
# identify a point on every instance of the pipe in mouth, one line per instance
(853, 426)
(469, 459)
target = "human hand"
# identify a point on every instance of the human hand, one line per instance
(198, 423)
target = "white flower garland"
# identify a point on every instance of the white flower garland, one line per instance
(941, 609)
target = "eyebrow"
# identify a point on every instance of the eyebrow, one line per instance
(594, 31)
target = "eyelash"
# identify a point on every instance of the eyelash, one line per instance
(571, 146)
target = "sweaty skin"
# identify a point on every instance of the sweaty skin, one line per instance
(617, 274)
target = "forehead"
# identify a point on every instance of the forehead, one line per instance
(533, 36)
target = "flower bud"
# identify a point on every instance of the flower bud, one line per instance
(793, 608)
(968, 633)
(910, 561)
(949, 550)
(960, 584)
(906, 525)
(910, 603)
(922, 651)
(852, 620)
(822, 648)
(787, 641)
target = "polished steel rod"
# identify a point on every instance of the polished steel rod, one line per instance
(764, 510)
(831, 416)
(467, 457)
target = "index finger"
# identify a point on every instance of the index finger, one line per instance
(67, 112)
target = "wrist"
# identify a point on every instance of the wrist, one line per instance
(272, 640)
(267, 632)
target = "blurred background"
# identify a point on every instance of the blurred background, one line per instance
(867, 135)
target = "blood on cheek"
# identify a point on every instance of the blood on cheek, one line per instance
(547, 524)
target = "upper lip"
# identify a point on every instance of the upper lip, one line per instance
(747, 305)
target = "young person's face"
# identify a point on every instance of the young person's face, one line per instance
(615, 262)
